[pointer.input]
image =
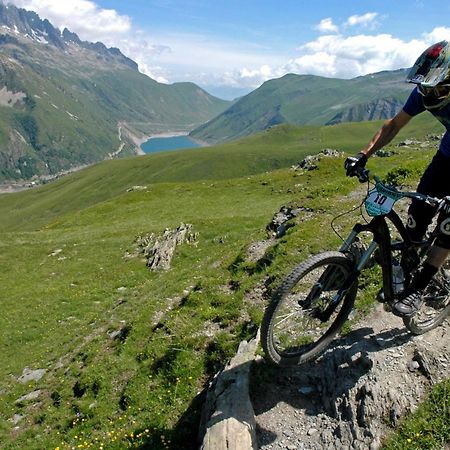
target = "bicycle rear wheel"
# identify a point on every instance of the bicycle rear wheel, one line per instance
(299, 322)
(436, 307)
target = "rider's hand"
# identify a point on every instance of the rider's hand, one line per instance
(354, 162)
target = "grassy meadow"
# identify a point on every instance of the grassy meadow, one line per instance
(128, 352)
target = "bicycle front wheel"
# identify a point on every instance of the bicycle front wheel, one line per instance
(303, 316)
(436, 306)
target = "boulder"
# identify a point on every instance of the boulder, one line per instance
(228, 418)
(31, 375)
(309, 162)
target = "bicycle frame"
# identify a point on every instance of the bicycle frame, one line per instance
(381, 240)
(378, 227)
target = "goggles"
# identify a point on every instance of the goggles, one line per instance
(438, 92)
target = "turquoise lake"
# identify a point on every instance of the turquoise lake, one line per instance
(161, 144)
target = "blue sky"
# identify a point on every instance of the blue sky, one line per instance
(231, 47)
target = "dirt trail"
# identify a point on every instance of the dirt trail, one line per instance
(353, 395)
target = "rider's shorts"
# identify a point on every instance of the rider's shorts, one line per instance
(435, 182)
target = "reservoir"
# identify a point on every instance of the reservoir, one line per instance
(160, 144)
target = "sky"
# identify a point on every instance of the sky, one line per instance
(231, 47)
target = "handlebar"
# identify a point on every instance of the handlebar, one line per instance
(364, 176)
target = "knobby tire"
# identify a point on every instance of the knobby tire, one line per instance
(290, 316)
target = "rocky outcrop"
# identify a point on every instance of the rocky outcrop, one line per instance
(31, 375)
(228, 420)
(279, 223)
(310, 161)
(356, 393)
(382, 108)
(159, 250)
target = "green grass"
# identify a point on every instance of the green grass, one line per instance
(429, 427)
(66, 286)
(64, 306)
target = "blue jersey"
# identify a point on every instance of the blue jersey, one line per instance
(414, 105)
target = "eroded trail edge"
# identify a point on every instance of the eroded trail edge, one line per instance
(354, 395)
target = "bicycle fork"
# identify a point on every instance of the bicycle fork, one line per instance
(330, 276)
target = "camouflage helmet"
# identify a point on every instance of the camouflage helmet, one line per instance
(431, 73)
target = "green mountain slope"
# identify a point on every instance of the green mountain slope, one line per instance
(64, 102)
(308, 99)
(279, 147)
(127, 351)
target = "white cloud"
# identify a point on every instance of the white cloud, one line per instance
(346, 57)
(349, 56)
(438, 34)
(340, 56)
(364, 20)
(327, 26)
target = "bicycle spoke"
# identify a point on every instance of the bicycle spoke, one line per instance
(297, 322)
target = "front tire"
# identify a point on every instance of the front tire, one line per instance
(294, 329)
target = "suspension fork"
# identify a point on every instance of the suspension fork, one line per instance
(381, 239)
(353, 276)
(357, 229)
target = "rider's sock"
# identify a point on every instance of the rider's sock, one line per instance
(425, 275)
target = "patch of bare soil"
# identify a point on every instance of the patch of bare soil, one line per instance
(353, 395)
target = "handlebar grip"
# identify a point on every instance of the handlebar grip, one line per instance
(362, 174)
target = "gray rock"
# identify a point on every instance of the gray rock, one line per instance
(413, 366)
(29, 397)
(310, 161)
(278, 224)
(382, 153)
(228, 418)
(16, 419)
(160, 254)
(159, 250)
(31, 375)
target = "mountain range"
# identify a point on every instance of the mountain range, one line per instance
(309, 100)
(66, 102)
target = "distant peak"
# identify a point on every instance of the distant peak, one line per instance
(18, 21)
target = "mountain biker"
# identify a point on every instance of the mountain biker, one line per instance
(431, 74)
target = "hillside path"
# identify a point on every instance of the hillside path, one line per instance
(347, 397)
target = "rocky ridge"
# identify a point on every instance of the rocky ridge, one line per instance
(354, 395)
(28, 24)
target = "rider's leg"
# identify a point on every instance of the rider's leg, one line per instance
(421, 214)
(433, 182)
(437, 255)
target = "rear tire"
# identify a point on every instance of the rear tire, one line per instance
(436, 307)
(292, 332)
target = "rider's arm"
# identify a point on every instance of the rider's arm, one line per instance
(387, 132)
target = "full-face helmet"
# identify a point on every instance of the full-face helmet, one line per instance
(431, 73)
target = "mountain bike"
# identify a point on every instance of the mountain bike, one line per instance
(315, 300)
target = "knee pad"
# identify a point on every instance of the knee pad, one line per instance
(443, 238)
(416, 229)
